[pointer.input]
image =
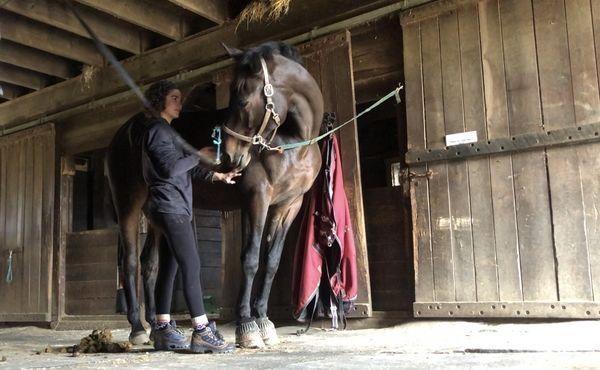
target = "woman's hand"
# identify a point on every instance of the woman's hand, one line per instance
(227, 178)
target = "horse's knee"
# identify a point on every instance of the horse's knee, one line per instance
(149, 270)
(130, 266)
(272, 267)
(250, 264)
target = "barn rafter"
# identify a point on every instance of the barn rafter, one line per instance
(44, 39)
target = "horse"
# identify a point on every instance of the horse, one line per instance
(274, 101)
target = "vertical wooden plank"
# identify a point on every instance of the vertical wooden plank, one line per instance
(501, 176)
(419, 188)
(581, 27)
(530, 175)
(19, 281)
(13, 305)
(48, 213)
(458, 178)
(558, 111)
(3, 229)
(591, 183)
(38, 188)
(338, 84)
(438, 184)
(231, 226)
(480, 187)
(29, 295)
(67, 171)
(350, 152)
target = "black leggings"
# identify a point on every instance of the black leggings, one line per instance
(178, 246)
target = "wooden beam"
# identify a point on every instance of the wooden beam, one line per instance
(48, 39)
(214, 10)
(10, 92)
(169, 60)
(113, 32)
(35, 60)
(22, 77)
(144, 14)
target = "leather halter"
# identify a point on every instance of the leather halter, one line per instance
(270, 112)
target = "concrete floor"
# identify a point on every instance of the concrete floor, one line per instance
(412, 345)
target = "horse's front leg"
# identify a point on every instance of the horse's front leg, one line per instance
(281, 218)
(247, 334)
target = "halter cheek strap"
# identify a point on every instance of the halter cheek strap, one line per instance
(270, 112)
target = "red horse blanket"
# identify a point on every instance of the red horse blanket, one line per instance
(326, 242)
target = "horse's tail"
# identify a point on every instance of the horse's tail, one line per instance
(110, 212)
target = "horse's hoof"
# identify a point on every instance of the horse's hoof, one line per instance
(138, 337)
(267, 331)
(247, 335)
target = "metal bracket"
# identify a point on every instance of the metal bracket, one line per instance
(527, 309)
(566, 136)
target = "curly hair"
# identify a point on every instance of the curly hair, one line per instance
(157, 92)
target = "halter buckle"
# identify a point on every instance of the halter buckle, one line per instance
(258, 140)
(270, 106)
(276, 118)
(269, 90)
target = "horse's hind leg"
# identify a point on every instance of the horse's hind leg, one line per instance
(247, 334)
(281, 219)
(149, 260)
(128, 230)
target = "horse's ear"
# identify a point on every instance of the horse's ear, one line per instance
(233, 52)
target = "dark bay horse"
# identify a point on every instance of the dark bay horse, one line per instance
(274, 101)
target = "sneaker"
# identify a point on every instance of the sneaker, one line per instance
(208, 340)
(213, 326)
(169, 338)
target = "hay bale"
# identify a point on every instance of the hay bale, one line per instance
(268, 10)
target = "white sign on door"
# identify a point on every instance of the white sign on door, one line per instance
(461, 138)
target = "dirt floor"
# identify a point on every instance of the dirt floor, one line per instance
(411, 345)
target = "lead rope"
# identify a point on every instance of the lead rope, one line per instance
(394, 93)
(9, 272)
(216, 139)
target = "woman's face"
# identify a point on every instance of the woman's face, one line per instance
(172, 105)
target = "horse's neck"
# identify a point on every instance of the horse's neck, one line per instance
(304, 120)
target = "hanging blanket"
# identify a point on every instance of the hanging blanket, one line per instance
(324, 270)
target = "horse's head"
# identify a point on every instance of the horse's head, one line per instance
(267, 81)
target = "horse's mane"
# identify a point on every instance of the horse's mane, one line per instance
(249, 62)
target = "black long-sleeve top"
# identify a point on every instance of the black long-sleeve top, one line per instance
(168, 170)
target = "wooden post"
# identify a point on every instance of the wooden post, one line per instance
(64, 214)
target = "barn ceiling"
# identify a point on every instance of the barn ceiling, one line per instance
(42, 43)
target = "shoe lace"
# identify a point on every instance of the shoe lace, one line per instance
(213, 338)
(177, 329)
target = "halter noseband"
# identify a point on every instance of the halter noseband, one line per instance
(258, 139)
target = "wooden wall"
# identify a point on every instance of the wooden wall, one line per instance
(517, 227)
(91, 272)
(26, 223)
(210, 248)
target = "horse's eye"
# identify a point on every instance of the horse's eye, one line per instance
(243, 103)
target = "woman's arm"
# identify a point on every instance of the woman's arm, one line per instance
(163, 154)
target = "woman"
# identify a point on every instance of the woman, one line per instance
(168, 171)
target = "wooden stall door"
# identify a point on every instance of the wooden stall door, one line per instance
(329, 60)
(26, 223)
(511, 234)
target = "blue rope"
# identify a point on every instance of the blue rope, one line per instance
(216, 136)
(9, 272)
